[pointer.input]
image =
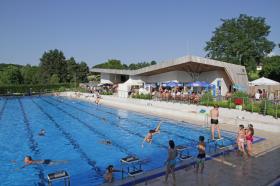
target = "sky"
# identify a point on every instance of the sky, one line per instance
(131, 31)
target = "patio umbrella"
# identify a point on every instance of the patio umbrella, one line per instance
(200, 84)
(172, 84)
(195, 84)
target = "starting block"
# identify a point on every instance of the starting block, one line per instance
(181, 149)
(134, 166)
(59, 175)
(218, 142)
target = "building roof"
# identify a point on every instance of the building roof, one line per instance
(236, 73)
(263, 81)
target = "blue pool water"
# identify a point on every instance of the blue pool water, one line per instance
(74, 131)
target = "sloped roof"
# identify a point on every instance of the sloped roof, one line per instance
(236, 73)
(263, 81)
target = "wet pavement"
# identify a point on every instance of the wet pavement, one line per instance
(230, 169)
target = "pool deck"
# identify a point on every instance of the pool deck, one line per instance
(262, 169)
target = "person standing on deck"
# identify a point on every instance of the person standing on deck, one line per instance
(171, 162)
(214, 114)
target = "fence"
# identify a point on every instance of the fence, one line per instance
(263, 106)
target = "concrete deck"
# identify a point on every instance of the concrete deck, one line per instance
(262, 169)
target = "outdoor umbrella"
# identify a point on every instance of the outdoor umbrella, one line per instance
(172, 84)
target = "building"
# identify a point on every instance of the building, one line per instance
(185, 69)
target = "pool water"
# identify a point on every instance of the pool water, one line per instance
(75, 131)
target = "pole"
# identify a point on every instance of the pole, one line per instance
(264, 107)
(276, 116)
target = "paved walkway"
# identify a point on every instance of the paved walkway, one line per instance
(230, 170)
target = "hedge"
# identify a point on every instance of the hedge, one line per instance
(22, 89)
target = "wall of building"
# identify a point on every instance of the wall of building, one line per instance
(114, 78)
(214, 76)
(180, 76)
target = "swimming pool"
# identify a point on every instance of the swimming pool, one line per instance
(74, 131)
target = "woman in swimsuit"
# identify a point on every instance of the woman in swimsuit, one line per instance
(249, 138)
(171, 161)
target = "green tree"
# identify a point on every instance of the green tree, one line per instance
(153, 62)
(116, 64)
(30, 74)
(241, 40)
(110, 64)
(53, 62)
(271, 68)
(54, 79)
(72, 68)
(82, 72)
(11, 75)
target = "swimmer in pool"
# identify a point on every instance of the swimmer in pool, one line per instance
(42, 132)
(109, 173)
(106, 142)
(29, 161)
(149, 137)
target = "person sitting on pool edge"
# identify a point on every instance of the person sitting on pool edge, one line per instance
(149, 137)
(29, 161)
(109, 173)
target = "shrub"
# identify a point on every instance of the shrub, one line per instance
(206, 98)
(142, 96)
(224, 104)
(239, 94)
(61, 89)
(106, 93)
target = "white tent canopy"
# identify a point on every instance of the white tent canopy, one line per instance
(105, 81)
(134, 82)
(263, 81)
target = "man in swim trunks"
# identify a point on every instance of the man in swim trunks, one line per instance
(149, 137)
(29, 161)
(214, 114)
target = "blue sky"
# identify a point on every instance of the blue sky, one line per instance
(132, 31)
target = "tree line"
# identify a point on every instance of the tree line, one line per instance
(54, 68)
(117, 64)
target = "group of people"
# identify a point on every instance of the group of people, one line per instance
(244, 137)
